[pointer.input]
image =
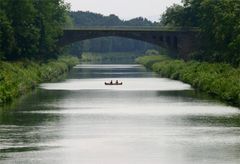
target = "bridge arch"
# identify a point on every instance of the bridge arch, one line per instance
(179, 40)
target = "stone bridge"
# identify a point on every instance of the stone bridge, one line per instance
(181, 41)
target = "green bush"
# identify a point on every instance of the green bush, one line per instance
(219, 80)
(20, 77)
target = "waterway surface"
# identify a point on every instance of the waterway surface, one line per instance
(148, 120)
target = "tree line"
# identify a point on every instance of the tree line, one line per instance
(219, 21)
(30, 28)
(108, 44)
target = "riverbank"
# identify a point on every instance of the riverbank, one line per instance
(218, 80)
(18, 78)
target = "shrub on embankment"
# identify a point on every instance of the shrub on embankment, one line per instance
(20, 77)
(219, 80)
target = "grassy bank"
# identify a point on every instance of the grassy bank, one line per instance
(20, 77)
(219, 80)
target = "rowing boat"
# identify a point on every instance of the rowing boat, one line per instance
(113, 83)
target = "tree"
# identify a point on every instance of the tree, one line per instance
(21, 20)
(7, 40)
(30, 28)
(50, 20)
(219, 23)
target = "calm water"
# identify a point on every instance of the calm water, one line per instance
(148, 120)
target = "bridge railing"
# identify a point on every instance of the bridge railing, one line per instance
(134, 28)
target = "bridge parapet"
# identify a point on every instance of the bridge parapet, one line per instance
(135, 28)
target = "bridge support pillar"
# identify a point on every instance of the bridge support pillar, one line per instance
(187, 44)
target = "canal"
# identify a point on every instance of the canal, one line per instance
(147, 120)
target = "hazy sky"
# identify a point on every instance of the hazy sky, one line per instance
(125, 9)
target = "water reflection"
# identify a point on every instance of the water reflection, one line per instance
(147, 120)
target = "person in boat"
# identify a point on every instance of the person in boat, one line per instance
(111, 82)
(117, 82)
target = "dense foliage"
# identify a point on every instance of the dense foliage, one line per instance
(220, 80)
(219, 23)
(107, 44)
(20, 77)
(30, 28)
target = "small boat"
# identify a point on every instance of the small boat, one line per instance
(113, 83)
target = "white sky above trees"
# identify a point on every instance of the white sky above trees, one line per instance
(125, 9)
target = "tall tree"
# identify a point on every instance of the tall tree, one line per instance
(50, 20)
(7, 40)
(30, 28)
(21, 16)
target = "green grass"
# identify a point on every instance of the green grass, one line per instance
(219, 80)
(18, 78)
